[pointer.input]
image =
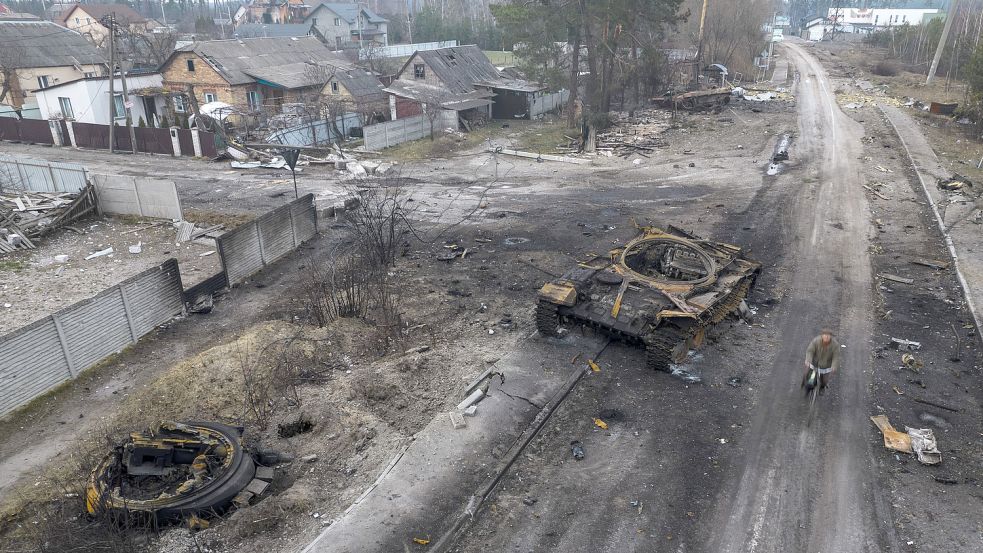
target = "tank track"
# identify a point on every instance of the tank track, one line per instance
(547, 318)
(659, 345)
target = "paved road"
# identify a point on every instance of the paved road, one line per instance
(713, 468)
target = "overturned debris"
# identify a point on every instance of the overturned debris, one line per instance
(171, 471)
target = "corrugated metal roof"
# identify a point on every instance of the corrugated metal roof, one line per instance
(359, 83)
(265, 30)
(44, 44)
(459, 67)
(422, 92)
(233, 58)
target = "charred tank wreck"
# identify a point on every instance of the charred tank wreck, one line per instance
(662, 291)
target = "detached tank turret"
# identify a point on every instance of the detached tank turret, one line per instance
(661, 291)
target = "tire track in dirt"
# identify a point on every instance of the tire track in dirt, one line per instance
(811, 488)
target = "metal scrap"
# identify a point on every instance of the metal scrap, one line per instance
(27, 215)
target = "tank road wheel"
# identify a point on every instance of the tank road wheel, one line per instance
(547, 318)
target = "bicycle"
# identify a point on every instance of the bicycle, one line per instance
(812, 384)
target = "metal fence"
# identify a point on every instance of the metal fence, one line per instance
(391, 133)
(548, 102)
(142, 196)
(315, 133)
(25, 130)
(42, 355)
(400, 50)
(262, 241)
(40, 175)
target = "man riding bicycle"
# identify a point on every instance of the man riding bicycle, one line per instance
(823, 353)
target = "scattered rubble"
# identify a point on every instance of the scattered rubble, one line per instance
(27, 215)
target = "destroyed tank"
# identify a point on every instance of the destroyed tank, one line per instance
(662, 290)
(173, 470)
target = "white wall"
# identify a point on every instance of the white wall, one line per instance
(881, 17)
(90, 99)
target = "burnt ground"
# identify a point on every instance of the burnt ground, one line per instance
(714, 467)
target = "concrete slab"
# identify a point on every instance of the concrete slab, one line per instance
(434, 480)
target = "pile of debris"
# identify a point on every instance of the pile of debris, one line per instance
(27, 215)
(638, 135)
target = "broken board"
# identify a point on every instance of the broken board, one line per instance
(893, 439)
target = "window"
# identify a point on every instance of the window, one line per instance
(89, 74)
(337, 22)
(314, 21)
(42, 81)
(191, 65)
(210, 97)
(419, 71)
(66, 108)
(253, 99)
(334, 87)
(179, 106)
(88, 21)
(119, 112)
(76, 21)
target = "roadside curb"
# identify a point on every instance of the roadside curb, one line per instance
(445, 542)
(967, 295)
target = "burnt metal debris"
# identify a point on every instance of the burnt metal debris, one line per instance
(173, 471)
(697, 100)
(662, 291)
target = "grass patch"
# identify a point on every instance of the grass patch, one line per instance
(12, 265)
(206, 218)
(547, 138)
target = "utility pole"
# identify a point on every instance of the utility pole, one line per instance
(112, 87)
(703, 18)
(945, 34)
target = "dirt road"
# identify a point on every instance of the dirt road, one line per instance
(809, 488)
(736, 468)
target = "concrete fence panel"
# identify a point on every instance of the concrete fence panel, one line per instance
(388, 134)
(146, 197)
(40, 175)
(32, 362)
(42, 355)
(94, 329)
(262, 241)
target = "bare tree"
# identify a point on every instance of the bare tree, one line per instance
(432, 100)
(10, 57)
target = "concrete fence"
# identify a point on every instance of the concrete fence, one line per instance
(40, 175)
(401, 50)
(262, 241)
(42, 355)
(391, 133)
(124, 195)
(548, 102)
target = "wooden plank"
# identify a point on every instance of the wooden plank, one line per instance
(896, 278)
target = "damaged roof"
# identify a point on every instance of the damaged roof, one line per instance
(423, 92)
(264, 30)
(44, 44)
(359, 83)
(461, 68)
(234, 59)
